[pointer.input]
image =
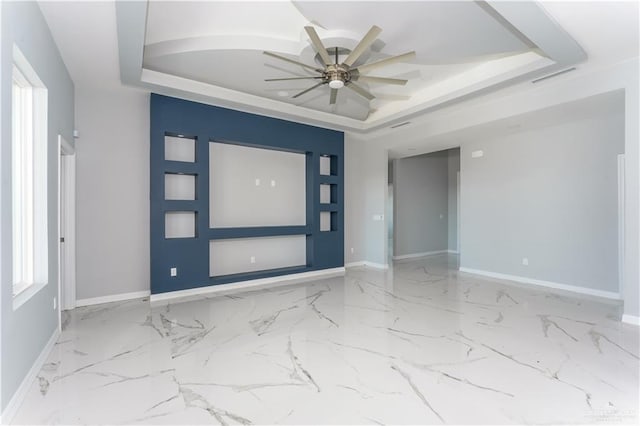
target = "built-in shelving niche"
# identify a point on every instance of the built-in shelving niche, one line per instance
(228, 217)
(180, 224)
(179, 186)
(243, 255)
(179, 148)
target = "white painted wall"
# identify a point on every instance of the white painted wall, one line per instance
(24, 332)
(548, 195)
(421, 204)
(112, 192)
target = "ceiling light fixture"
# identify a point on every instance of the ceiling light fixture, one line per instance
(338, 75)
(336, 83)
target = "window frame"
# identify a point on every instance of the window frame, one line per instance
(29, 181)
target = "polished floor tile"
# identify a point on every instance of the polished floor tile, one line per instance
(419, 344)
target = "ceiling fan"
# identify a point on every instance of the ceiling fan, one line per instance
(338, 75)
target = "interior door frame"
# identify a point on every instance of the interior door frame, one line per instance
(621, 222)
(66, 226)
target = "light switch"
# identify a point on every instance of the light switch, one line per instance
(257, 182)
(477, 154)
(174, 272)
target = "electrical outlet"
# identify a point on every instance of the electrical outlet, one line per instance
(174, 272)
(525, 261)
(55, 303)
(253, 259)
(257, 182)
(351, 250)
(273, 183)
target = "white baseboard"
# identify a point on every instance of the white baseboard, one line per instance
(354, 264)
(631, 319)
(376, 265)
(249, 285)
(549, 284)
(20, 393)
(423, 254)
(112, 298)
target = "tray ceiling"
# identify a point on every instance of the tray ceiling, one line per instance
(213, 52)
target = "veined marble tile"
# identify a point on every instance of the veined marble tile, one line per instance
(418, 344)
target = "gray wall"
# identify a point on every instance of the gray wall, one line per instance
(549, 195)
(366, 167)
(354, 232)
(421, 203)
(25, 331)
(112, 192)
(453, 168)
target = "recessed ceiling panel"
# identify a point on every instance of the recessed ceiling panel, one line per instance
(460, 47)
(439, 31)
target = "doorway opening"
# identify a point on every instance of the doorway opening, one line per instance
(425, 193)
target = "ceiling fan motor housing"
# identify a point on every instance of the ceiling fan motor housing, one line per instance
(336, 76)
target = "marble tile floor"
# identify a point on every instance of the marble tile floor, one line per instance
(419, 344)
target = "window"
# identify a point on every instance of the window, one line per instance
(28, 179)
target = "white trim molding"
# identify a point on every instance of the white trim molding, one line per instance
(112, 298)
(542, 283)
(368, 264)
(249, 285)
(18, 397)
(423, 254)
(376, 265)
(631, 319)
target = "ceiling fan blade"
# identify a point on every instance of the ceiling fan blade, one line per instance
(381, 80)
(359, 90)
(334, 95)
(308, 90)
(291, 78)
(317, 44)
(388, 61)
(274, 55)
(366, 41)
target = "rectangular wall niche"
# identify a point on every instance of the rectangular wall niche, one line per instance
(179, 186)
(328, 165)
(179, 149)
(255, 187)
(328, 193)
(180, 224)
(328, 221)
(240, 255)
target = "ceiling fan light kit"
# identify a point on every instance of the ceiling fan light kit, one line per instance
(338, 75)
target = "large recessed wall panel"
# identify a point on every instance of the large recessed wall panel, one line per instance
(232, 218)
(241, 255)
(255, 187)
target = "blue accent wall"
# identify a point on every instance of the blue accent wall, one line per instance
(206, 123)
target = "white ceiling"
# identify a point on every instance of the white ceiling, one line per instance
(222, 44)
(211, 51)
